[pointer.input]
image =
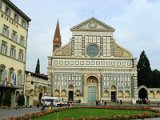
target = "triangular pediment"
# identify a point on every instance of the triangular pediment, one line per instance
(92, 24)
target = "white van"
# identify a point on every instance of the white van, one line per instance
(56, 101)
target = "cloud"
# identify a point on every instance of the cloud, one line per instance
(136, 23)
(137, 29)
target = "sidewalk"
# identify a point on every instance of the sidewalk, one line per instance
(6, 113)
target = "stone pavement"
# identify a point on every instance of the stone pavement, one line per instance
(6, 113)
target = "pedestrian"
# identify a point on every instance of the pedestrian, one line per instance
(43, 105)
(18, 101)
(120, 101)
(51, 105)
(105, 103)
(68, 104)
(49, 108)
(97, 102)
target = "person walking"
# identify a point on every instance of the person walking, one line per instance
(51, 105)
(43, 105)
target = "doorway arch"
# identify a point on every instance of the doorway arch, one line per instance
(92, 89)
(143, 94)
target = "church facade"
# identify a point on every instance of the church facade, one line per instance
(92, 66)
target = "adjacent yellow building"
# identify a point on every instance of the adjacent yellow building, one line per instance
(13, 44)
(36, 86)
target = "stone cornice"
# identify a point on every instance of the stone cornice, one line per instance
(8, 2)
(12, 58)
(2, 13)
(96, 70)
(87, 58)
(107, 27)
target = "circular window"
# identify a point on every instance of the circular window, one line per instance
(92, 50)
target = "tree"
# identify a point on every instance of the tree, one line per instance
(37, 70)
(7, 98)
(144, 71)
(155, 78)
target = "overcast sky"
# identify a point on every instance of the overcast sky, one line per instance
(136, 23)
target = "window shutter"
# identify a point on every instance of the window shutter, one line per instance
(3, 75)
(6, 48)
(7, 32)
(22, 79)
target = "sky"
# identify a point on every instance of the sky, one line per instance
(136, 23)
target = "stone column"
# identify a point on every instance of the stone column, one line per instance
(135, 79)
(99, 89)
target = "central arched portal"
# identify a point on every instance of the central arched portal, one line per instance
(143, 93)
(92, 89)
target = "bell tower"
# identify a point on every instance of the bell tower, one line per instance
(57, 38)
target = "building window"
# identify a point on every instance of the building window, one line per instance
(2, 73)
(4, 48)
(20, 78)
(16, 17)
(13, 52)
(0, 5)
(11, 74)
(20, 56)
(21, 42)
(23, 23)
(14, 36)
(5, 31)
(8, 11)
(92, 50)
